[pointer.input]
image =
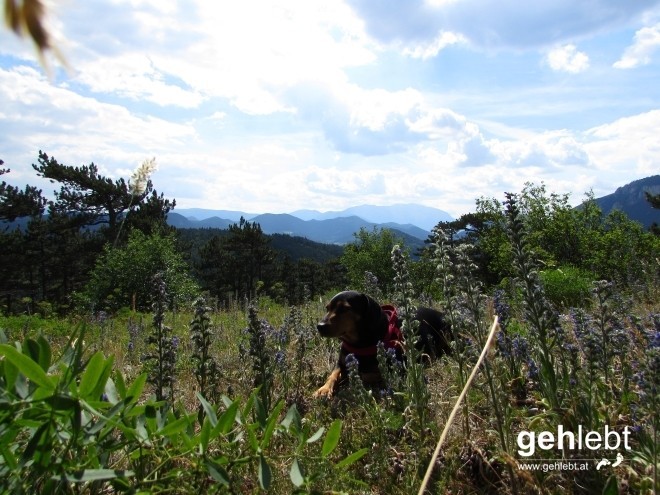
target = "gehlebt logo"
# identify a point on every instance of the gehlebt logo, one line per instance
(607, 442)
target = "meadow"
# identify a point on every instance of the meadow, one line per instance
(215, 395)
(218, 399)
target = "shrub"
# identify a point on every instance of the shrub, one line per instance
(567, 286)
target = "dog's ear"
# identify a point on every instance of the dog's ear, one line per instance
(372, 311)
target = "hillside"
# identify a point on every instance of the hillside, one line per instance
(631, 200)
(295, 248)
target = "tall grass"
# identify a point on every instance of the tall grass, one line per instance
(219, 401)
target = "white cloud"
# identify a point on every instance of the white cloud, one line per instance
(135, 76)
(432, 48)
(492, 25)
(647, 42)
(629, 143)
(567, 59)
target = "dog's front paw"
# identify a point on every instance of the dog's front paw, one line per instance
(324, 391)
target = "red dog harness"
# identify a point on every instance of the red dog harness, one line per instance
(392, 340)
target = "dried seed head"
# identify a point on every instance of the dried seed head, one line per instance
(140, 177)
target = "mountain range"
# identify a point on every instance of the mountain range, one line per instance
(329, 227)
(413, 223)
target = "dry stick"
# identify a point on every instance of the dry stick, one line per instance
(450, 420)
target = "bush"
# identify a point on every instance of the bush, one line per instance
(567, 286)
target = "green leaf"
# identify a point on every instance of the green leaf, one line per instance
(332, 438)
(611, 487)
(227, 419)
(265, 474)
(348, 460)
(175, 427)
(94, 475)
(296, 474)
(45, 353)
(61, 402)
(91, 376)
(27, 366)
(11, 374)
(270, 424)
(316, 436)
(110, 391)
(217, 472)
(252, 437)
(208, 409)
(135, 390)
(204, 435)
(292, 419)
(120, 385)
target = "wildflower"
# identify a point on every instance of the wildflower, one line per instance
(140, 178)
(520, 348)
(532, 370)
(502, 308)
(280, 358)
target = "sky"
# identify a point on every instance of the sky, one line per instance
(274, 106)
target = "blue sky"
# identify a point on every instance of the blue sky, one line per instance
(274, 106)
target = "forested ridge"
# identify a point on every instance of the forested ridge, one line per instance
(69, 252)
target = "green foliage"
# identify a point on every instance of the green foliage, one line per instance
(123, 275)
(235, 262)
(370, 252)
(72, 426)
(558, 235)
(16, 203)
(567, 286)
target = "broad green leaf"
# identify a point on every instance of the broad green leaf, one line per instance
(11, 373)
(292, 418)
(9, 457)
(120, 385)
(27, 366)
(348, 460)
(270, 424)
(332, 438)
(227, 419)
(252, 437)
(175, 427)
(135, 390)
(265, 475)
(217, 472)
(61, 402)
(612, 486)
(94, 475)
(105, 376)
(208, 409)
(204, 435)
(296, 474)
(91, 376)
(45, 353)
(110, 391)
(316, 436)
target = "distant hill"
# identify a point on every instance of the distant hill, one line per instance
(338, 230)
(631, 200)
(295, 248)
(424, 217)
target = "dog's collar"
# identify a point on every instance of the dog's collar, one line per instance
(392, 340)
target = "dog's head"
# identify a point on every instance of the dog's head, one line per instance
(350, 314)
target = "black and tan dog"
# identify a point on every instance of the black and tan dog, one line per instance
(359, 322)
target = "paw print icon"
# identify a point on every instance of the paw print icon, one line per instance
(604, 462)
